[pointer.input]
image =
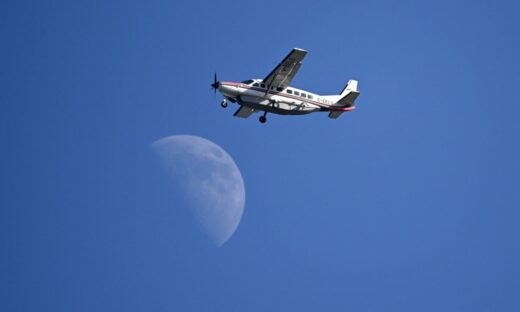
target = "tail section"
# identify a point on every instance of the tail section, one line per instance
(348, 95)
(345, 101)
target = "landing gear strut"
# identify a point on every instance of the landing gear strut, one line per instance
(262, 118)
(223, 103)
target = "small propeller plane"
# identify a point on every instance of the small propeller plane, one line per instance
(274, 95)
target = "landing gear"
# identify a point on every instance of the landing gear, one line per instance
(223, 103)
(262, 118)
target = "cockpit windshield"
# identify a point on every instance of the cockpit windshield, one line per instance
(247, 82)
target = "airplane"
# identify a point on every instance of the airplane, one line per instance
(274, 95)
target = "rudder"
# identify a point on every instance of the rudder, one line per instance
(351, 86)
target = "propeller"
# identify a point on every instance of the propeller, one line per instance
(215, 83)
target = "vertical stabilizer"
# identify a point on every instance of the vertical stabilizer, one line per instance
(351, 86)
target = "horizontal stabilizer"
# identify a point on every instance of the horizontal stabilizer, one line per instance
(335, 114)
(244, 112)
(348, 100)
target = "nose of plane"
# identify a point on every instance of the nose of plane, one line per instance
(216, 84)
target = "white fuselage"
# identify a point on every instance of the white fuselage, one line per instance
(288, 101)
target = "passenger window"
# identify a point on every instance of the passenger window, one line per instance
(279, 89)
(309, 96)
(262, 85)
(289, 91)
(304, 95)
(296, 93)
(256, 84)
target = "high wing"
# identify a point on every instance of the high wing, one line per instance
(284, 73)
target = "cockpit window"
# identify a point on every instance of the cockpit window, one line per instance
(248, 81)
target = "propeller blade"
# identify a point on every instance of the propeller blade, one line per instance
(215, 83)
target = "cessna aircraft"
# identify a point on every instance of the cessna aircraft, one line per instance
(273, 94)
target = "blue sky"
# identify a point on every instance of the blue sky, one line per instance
(409, 203)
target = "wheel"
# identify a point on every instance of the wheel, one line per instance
(262, 119)
(223, 103)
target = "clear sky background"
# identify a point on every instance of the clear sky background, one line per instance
(410, 203)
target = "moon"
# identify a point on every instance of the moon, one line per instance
(209, 178)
